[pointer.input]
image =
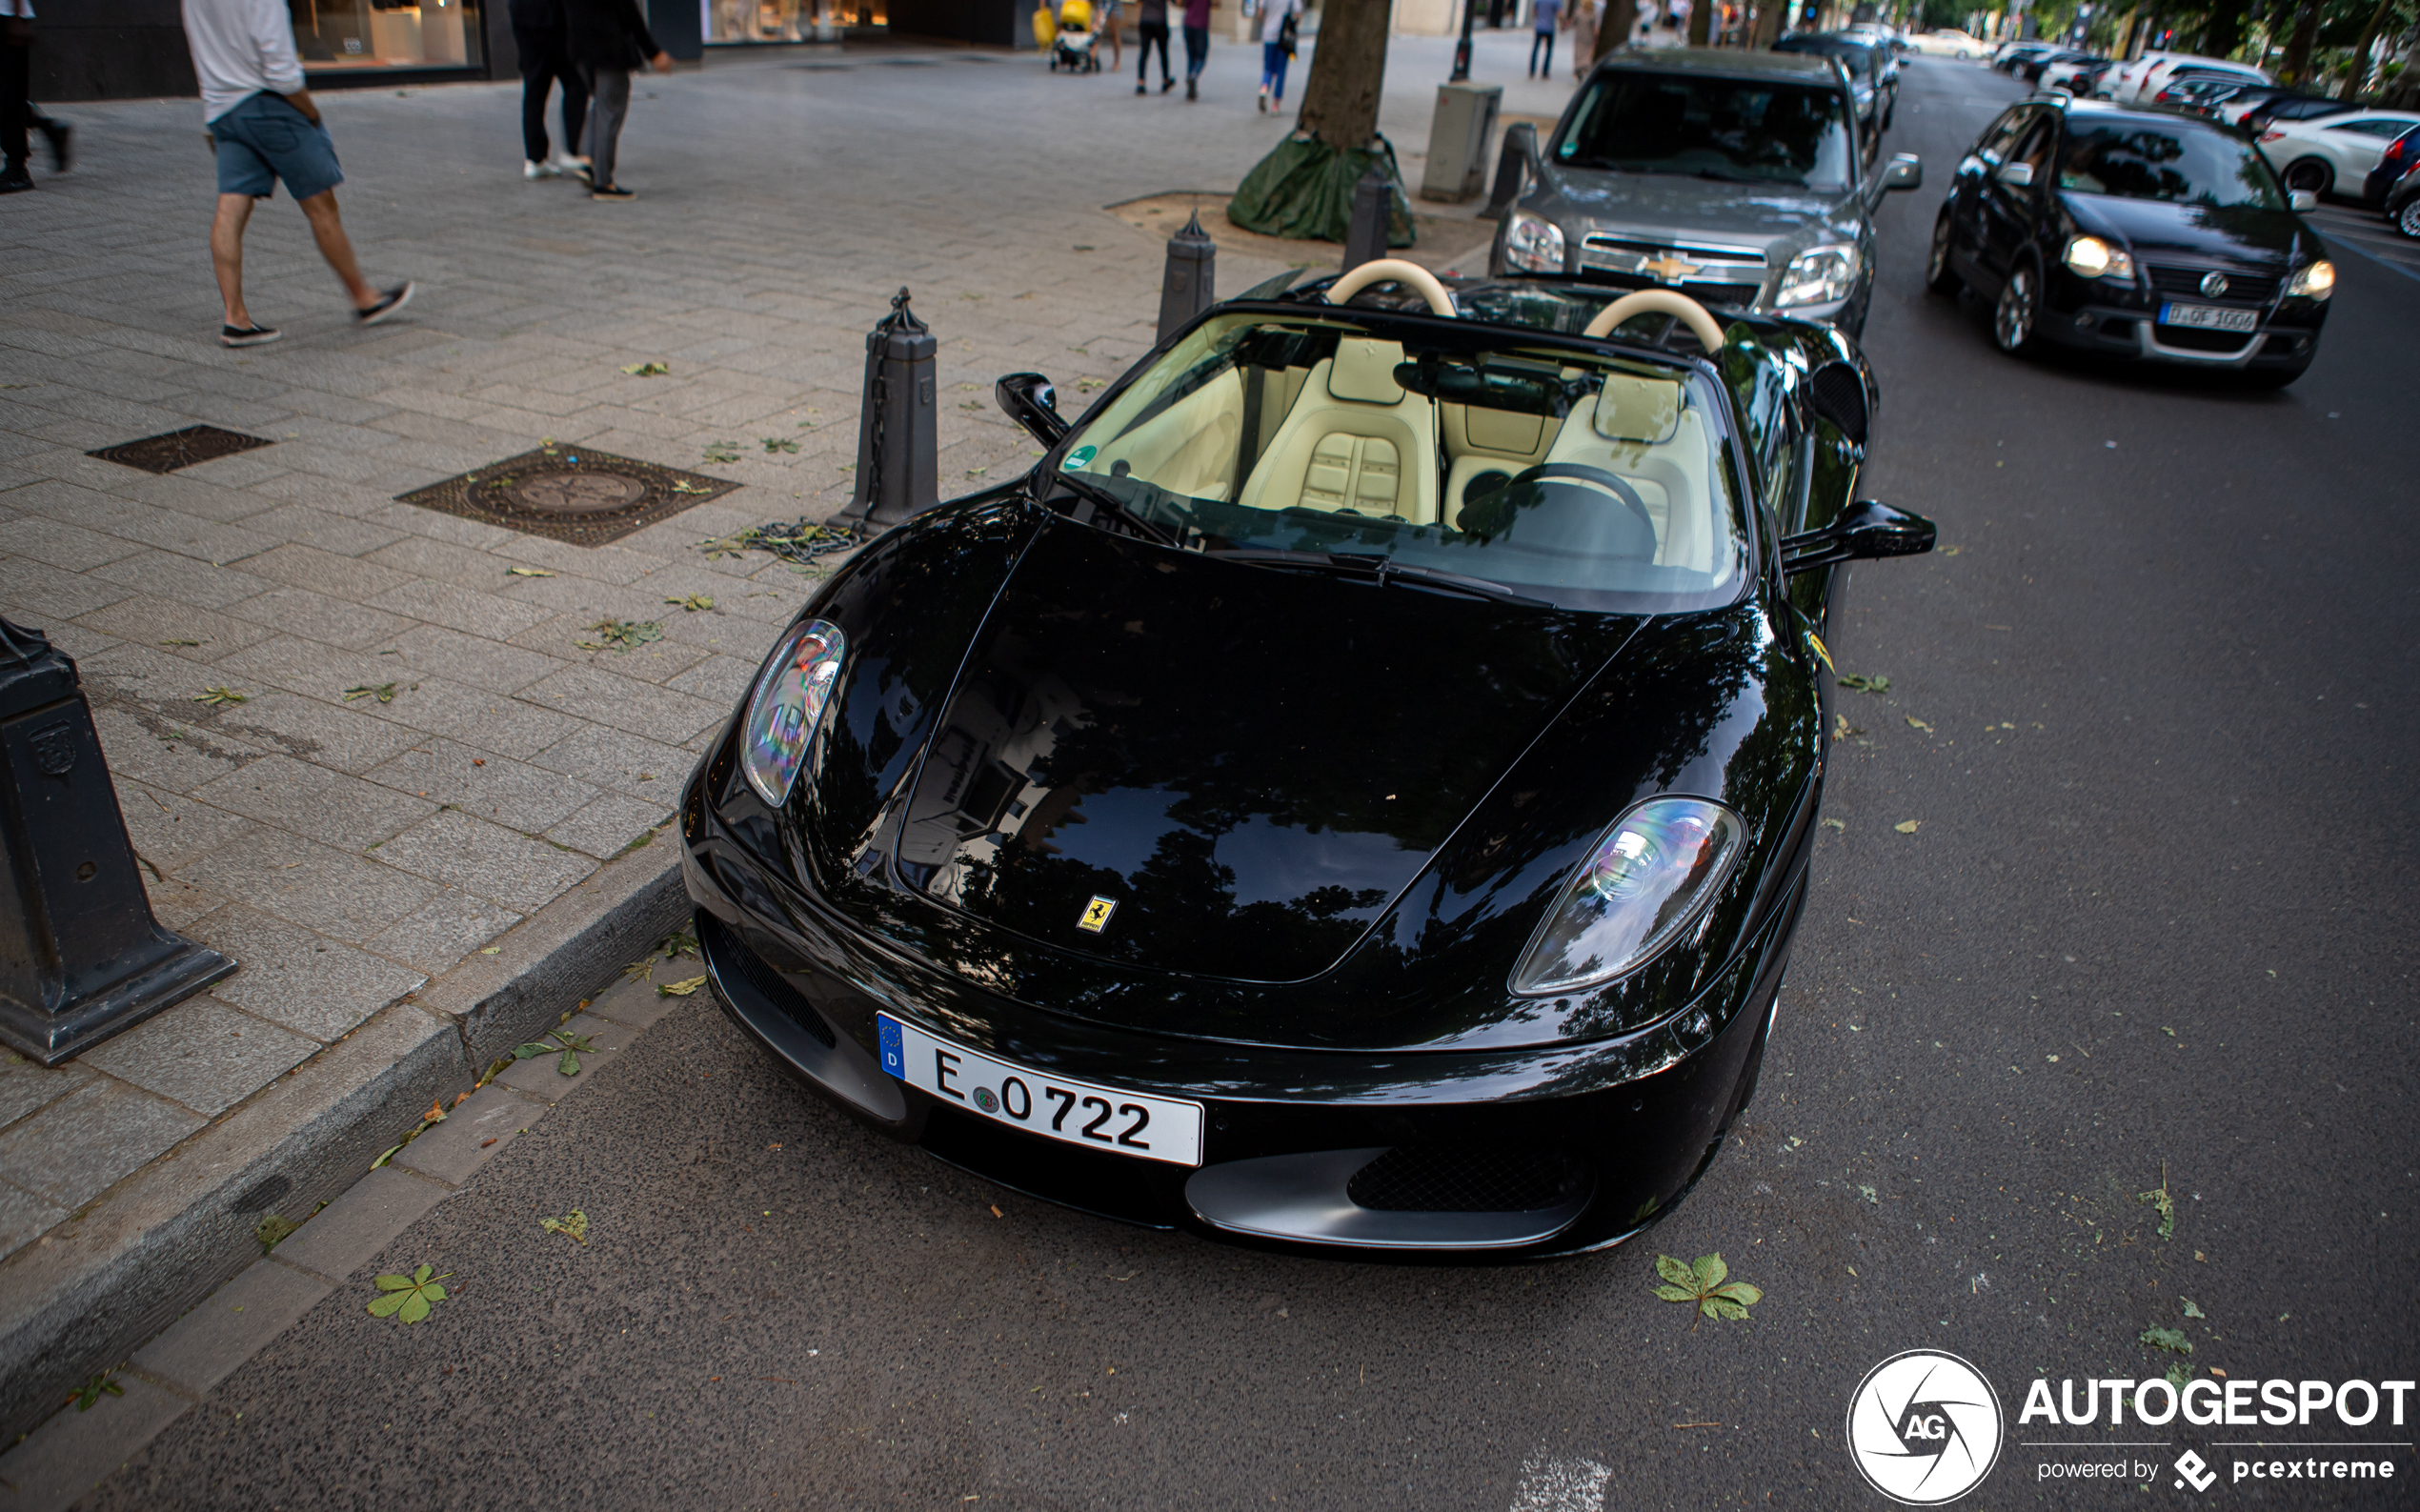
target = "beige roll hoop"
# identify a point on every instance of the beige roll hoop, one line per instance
(1663, 302)
(1395, 269)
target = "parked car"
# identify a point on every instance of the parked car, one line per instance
(2139, 82)
(2014, 56)
(1095, 833)
(2399, 158)
(1873, 77)
(1949, 42)
(2032, 68)
(2198, 94)
(2258, 105)
(2403, 202)
(2078, 77)
(2334, 153)
(2134, 233)
(1740, 178)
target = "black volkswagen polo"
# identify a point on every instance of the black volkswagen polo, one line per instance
(2134, 233)
(1355, 792)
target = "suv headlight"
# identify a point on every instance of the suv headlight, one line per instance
(1533, 245)
(1649, 879)
(1820, 276)
(791, 693)
(2091, 258)
(2312, 281)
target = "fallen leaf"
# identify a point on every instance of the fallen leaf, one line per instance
(180, 642)
(574, 1223)
(693, 603)
(435, 1113)
(1702, 1283)
(647, 370)
(527, 571)
(384, 693)
(219, 696)
(1915, 723)
(2170, 1339)
(2192, 1309)
(679, 989)
(1908, 826)
(491, 950)
(1864, 684)
(407, 1299)
(1836, 824)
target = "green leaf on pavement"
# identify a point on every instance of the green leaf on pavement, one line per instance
(384, 693)
(2165, 1205)
(407, 1299)
(574, 1223)
(94, 1390)
(679, 989)
(527, 571)
(1864, 684)
(273, 1230)
(1704, 1283)
(647, 370)
(2171, 1339)
(2192, 1309)
(778, 443)
(622, 635)
(1908, 826)
(694, 602)
(218, 697)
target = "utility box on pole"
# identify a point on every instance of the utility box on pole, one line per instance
(1458, 141)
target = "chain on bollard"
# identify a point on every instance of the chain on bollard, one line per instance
(1190, 284)
(81, 954)
(1365, 236)
(898, 436)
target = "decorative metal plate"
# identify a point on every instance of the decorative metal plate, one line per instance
(569, 493)
(165, 453)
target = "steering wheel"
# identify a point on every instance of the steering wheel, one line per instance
(1547, 472)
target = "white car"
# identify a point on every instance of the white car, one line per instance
(2334, 153)
(1948, 42)
(2139, 82)
(2063, 77)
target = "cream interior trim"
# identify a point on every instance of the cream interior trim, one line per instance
(1395, 269)
(1342, 453)
(1657, 301)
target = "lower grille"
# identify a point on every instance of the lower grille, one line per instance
(2242, 289)
(1467, 1179)
(726, 950)
(2185, 338)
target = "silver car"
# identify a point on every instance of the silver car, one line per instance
(1739, 178)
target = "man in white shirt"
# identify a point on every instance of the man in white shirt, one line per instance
(17, 115)
(265, 127)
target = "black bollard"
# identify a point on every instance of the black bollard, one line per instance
(1365, 237)
(1512, 165)
(81, 956)
(1190, 285)
(898, 468)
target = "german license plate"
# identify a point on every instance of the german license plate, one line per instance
(2209, 318)
(1081, 1113)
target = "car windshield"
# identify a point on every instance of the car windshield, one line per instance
(1741, 131)
(1861, 58)
(2176, 164)
(1481, 464)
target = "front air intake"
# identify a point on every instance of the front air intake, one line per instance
(725, 949)
(1838, 394)
(1469, 1178)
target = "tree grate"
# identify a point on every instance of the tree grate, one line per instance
(570, 492)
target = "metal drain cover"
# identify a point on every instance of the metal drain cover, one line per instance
(167, 452)
(570, 493)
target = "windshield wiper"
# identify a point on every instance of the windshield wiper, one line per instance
(1379, 570)
(1102, 498)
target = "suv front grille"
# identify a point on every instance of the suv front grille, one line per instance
(1469, 1178)
(2242, 289)
(1731, 275)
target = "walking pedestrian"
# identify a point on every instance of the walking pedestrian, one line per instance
(1197, 28)
(17, 113)
(1107, 17)
(1586, 16)
(537, 34)
(606, 39)
(1541, 38)
(264, 128)
(1278, 21)
(1151, 25)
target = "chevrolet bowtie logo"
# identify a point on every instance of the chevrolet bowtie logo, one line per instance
(1668, 269)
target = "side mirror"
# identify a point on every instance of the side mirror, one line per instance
(1907, 171)
(2302, 200)
(1865, 530)
(1029, 400)
(2016, 175)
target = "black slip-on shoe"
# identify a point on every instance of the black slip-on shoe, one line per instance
(612, 193)
(247, 336)
(393, 300)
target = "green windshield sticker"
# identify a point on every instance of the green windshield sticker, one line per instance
(1079, 458)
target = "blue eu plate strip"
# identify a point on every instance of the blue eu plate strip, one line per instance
(894, 1059)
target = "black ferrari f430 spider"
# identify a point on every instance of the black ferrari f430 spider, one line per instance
(1355, 792)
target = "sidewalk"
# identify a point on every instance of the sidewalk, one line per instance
(416, 876)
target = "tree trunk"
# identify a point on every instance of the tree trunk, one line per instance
(2224, 32)
(2360, 74)
(1768, 23)
(2297, 69)
(1621, 19)
(1348, 71)
(1701, 22)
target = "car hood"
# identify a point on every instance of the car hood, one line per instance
(1777, 219)
(1166, 761)
(2240, 235)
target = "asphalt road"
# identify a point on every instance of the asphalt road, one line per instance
(2153, 922)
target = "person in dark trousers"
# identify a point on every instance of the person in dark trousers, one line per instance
(606, 39)
(1196, 45)
(1541, 38)
(537, 34)
(17, 115)
(1151, 25)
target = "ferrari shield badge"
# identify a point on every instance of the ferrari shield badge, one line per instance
(1096, 914)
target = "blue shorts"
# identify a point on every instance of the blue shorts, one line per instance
(265, 140)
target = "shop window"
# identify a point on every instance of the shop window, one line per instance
(387, 33)
(790, 20)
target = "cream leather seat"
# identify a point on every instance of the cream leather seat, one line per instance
(1640, 431)
(1355, 440)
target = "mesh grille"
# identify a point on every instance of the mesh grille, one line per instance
(2188, 339)
(1469, 1178)
(2242, 289)
(1838, 394)
(729, 953)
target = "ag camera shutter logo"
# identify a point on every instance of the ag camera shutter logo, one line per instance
(1925, 1427)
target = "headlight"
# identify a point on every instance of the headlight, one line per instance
(2091, 258)
(1533, 245)
(1820, 276)
(1649, 879)
(2312, 281)
(788, 705)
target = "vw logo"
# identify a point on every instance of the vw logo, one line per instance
(2213, 285)
(1925, 1427)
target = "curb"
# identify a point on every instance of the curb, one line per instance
(98, 1287)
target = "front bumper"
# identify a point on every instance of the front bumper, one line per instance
(1629, 1123)
(2086, 316)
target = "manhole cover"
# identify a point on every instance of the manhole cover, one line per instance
(570, 493)
(167, 452)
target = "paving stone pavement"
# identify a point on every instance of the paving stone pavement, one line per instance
(357, 852)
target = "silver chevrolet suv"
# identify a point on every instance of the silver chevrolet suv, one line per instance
(1740, 179)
